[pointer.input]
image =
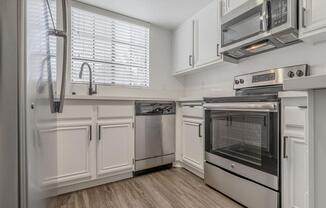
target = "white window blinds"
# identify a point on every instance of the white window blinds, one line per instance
(117, 51)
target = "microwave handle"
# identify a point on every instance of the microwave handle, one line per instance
(266, 15)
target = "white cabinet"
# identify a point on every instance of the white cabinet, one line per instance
(192, 131)
(297, 153)
(114, 153)
(229, 5)
(313, 20)
(207, 35)
(92, 144)
(197, 41)
(183, 47)
(72, 146)
(193, 143)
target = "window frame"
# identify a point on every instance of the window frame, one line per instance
(110, 14)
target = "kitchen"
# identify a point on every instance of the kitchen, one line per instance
(210, 103)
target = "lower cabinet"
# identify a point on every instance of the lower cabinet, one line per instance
(192, 132)
(114, 151)
(297, 153)
(91, 144)
(71, 161)
(193, 143)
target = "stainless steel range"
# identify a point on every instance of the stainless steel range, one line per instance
(242, 138)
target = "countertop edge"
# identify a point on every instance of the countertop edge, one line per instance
(124, 98)
(305, 83)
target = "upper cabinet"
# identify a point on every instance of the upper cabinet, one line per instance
(229, 5)
(197, 41)
(183, 46)
(313, 20)
(207, 35)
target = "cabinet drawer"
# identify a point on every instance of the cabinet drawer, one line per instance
(115, 111)
(77, 112)
(294, 116)
(193, 111)
(295, 122)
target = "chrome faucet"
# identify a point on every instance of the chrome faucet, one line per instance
(91, 91)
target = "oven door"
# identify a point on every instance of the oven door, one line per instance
(244, 138)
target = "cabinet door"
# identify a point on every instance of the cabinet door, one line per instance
(313, 21)
(72, 154)
(183, 47)
(114, 154)
(295, 147)
(207, 35)
(193, 144)
(229, 5)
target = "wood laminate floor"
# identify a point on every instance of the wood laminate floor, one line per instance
(172, 188)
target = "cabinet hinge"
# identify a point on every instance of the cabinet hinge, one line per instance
(133, 125)
(133, 161)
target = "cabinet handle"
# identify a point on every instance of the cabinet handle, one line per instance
(199, 131)
(190, 60)
(303, 17)
(90, 133)
(99, 132)
(302, 107)
(285, 138)
(218, 49)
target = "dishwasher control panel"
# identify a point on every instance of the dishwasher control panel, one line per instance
(155, 108)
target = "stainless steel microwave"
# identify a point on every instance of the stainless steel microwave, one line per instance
(259, 26)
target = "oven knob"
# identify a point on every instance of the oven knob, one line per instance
(291, 74)
(232, 166)
(236, 82)
(241, 81)
(299, 73)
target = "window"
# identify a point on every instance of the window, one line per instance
(117, 51)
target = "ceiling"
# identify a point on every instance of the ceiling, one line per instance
(164, 13)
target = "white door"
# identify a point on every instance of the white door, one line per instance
(313, 21)
(193, 144)
(229, 5)
(183, 41)
(296, 167)
(72, 152)
(207, 35)
(114, 153)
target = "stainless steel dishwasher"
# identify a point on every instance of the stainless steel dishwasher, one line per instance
(155, 134)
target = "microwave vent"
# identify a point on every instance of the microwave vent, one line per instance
(236, 54)
(287, 38)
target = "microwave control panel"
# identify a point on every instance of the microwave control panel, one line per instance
(279, 10)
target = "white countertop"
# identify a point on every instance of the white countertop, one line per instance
(118, 98)
(191, 99)
(306, 83)
(125, 98)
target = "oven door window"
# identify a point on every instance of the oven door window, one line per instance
(245, 137)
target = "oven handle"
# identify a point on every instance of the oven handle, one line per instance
(254, 106)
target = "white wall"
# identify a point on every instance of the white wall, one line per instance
(162, 84)
(218, 81)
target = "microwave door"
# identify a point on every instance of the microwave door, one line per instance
(242, 24)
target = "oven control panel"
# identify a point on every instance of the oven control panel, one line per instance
(270, 77)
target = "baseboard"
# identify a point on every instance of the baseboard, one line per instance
(196, 171)
(92, 183)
